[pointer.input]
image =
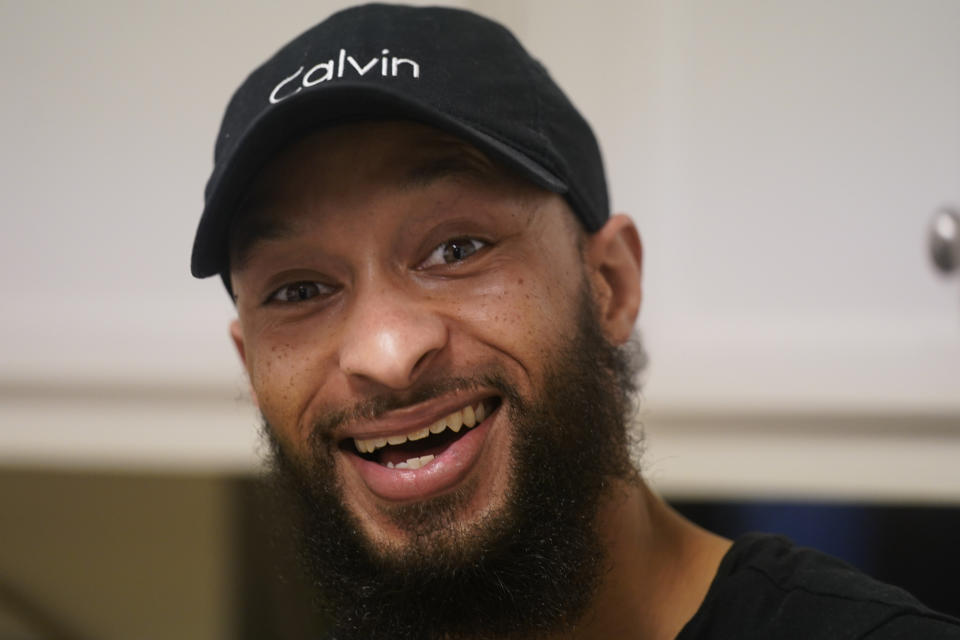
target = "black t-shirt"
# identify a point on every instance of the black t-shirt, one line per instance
(767, 588)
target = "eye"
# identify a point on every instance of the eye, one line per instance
(453, 251)
(299, 292)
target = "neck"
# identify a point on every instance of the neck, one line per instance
(660, 567)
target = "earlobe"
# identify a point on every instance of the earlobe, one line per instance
(615, 258)
(236, 334)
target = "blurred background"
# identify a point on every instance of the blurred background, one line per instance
(783, 161)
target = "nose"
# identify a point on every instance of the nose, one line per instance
(390, 338)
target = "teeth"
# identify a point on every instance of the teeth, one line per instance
(454, 420)
(419, 435)
(412, 463)
(468, 416)
(416, 463)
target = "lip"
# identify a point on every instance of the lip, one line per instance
(439, 476)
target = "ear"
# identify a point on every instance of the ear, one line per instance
(614, 255)
(236, 333)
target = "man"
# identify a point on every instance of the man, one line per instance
(435, 310)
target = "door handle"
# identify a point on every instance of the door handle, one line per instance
(944, 240)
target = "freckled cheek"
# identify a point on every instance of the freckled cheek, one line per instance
(284, 377)
(512, 313)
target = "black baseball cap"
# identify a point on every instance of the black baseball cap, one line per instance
(447, 68)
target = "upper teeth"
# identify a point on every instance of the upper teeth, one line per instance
(466, 417)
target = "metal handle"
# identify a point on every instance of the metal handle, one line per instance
(944, 239)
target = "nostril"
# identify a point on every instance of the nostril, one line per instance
(422, 362)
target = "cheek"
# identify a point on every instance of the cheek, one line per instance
(283, 374)
(522, 315)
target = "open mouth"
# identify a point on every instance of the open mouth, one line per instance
(420, 447)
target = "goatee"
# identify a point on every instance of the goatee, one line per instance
(527, 570)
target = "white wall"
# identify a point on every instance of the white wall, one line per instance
(782, 161)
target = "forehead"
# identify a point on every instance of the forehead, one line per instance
(350, 165)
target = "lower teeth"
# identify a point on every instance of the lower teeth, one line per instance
(412, 463)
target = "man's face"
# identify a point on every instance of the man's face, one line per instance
(400, 259)
(432, 356)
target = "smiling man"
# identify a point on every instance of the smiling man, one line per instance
(435, 311)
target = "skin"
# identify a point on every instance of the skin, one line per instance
(367, 210)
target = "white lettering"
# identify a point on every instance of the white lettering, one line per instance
(327, 66)
(273, 94)
(413, 65)
(361, 70)
(330, 69)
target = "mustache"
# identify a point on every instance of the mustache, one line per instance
(330, 421)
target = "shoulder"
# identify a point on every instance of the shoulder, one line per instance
(768, 587)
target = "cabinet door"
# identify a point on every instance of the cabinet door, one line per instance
(803, 149)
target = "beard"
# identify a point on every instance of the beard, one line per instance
(527, 569)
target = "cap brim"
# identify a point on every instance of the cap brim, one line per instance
(315, 109)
